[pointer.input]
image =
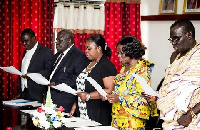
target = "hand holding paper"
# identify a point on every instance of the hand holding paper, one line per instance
(97, 86)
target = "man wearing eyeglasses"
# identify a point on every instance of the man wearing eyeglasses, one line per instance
(180, 102)
(180, 105)
(66, 66)
(36, 59)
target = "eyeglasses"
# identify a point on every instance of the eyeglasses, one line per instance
(120, 53)
(174, 39)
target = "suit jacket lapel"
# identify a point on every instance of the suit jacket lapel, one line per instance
(34, 55)
(65, 59)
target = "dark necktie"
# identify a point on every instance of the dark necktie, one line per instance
(57, 61)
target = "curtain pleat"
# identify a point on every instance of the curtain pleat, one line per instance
(126, 1)
(79, 18)
(15, 16)
(121, 18)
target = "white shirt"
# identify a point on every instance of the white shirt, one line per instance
(25, 64)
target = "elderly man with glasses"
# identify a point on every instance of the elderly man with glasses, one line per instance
(180, 105)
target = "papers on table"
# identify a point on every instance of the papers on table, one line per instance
(97, 128)
(97, 86)
(17, 101)
(31, 112)
(73, 119)
(147, 89)
(79, 122)
(64, 87)
(11, 70)
(22, 102)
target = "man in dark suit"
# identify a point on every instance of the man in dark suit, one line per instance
(36, 59)
(66, 66)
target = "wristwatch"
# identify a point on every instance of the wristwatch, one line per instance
(87, 97)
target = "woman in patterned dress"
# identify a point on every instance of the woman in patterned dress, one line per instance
(101, 69)
(130, 109)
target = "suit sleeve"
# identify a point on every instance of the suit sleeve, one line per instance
(47, 63)
(80, 66)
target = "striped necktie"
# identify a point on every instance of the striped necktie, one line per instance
(57, 61)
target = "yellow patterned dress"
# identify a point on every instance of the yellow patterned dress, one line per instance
(132, 110)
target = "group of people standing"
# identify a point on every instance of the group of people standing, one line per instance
(126, 106)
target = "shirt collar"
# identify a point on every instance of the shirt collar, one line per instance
(34, 48)
(65, 52)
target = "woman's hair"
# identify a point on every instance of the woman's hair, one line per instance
(132, 47)
(100, 41)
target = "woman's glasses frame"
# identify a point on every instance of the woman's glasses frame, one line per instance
(120, 53)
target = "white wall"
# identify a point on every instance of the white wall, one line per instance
(155, 35)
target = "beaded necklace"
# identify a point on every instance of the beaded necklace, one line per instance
(90, 68)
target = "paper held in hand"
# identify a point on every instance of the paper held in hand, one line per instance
(147, 89)
(64, 87)
(12, 70)
(97, 86)
(38, 78)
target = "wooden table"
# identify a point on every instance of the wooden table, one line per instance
(12, 117)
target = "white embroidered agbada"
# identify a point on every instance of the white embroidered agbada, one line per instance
(180, 90)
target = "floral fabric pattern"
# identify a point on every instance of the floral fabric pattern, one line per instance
(132, 110)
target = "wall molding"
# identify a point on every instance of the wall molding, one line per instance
(170, 17)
